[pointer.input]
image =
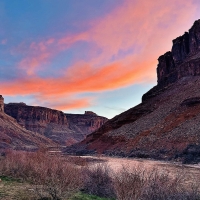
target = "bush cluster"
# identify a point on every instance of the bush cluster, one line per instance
(58, 178)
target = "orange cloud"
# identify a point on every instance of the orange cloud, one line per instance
(106, 78)
(145, 28)
(66, 104)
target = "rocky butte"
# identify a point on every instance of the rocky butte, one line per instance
(181, 61)
(166, 125)
(64, 129)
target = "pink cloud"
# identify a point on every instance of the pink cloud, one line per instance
(145, 27)
(71, 102)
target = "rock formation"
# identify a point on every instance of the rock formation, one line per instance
(14, 136)
(86, 123)
(181, 61)
(166, 124)
(65, 129)
(90, 113)
(1, 104)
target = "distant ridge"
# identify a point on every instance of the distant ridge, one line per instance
(64, 129)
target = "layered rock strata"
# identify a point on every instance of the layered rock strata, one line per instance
(182, 61)
(14, 136)
(65, 129)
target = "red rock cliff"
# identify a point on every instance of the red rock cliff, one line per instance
(65, 129)
(182, 59)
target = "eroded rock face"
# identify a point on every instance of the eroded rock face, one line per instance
(183, 60)
(86, 123)
(194, 37)
(56, 125)
(35, 118)
(1, 103)
(165, 69)
(180, 48)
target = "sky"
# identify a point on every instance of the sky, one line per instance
(94, 55)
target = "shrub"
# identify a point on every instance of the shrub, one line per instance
(56, 178)
(138, 183)
(52, 176)
(161, 185)
(129, 183)
(98, 181)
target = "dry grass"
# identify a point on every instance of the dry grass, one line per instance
(15, 189)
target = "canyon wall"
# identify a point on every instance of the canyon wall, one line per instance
(14, 136)
(65, 129)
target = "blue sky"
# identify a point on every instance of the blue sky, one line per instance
(98, 55)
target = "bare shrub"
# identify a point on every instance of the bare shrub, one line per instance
(15, 164)
(129, 183)
(59, 180)
(139, 184)
(51, 176)
(98, 181)
(55, 178)
(161, 185)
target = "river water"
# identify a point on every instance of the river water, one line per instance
(190, 172)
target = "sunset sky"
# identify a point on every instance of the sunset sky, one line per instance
(77, 55)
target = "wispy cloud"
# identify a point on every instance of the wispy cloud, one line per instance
(65, 104)
(124, 46)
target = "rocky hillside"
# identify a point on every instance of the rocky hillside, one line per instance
(65, 129)
(166, 124)
(13, 136)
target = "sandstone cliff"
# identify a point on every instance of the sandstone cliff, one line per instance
(14, 136)
(183, 60)
(87, 123)
(166, 124)
(65, 129)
